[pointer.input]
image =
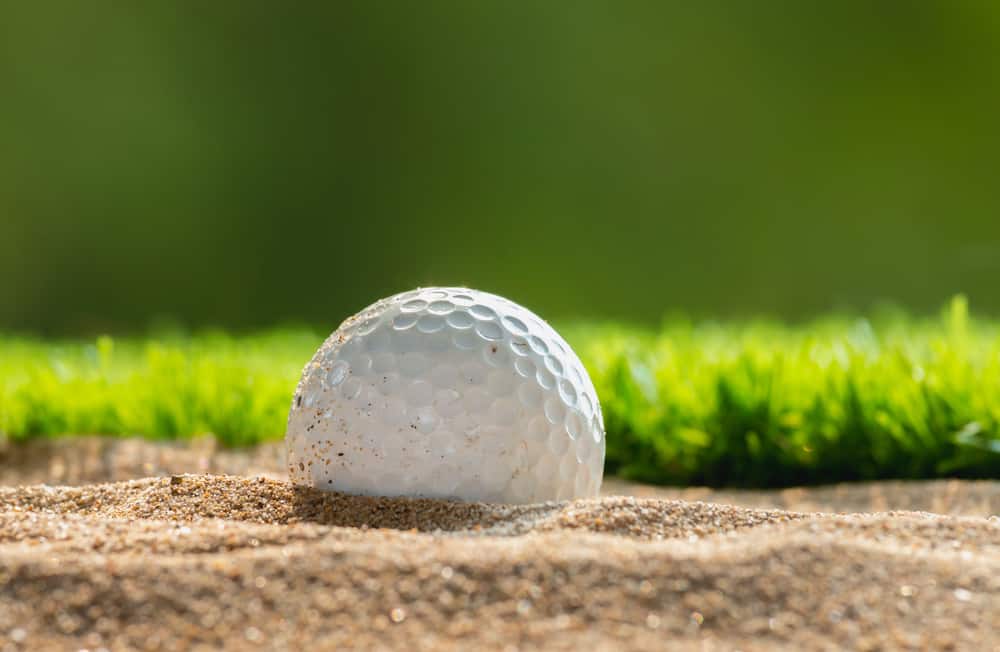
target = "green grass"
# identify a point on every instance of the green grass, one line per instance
(171, 387)
(745, 403)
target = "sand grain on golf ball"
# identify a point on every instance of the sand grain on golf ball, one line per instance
(447, 393)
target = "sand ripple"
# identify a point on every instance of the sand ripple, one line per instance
(222, 561)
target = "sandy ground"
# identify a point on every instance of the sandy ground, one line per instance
(86, 460)
(228, 561)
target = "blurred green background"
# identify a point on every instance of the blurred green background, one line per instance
(245, 164)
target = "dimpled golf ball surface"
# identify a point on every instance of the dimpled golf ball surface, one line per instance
(447, 393)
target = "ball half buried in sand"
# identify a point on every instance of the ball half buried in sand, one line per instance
(447, 393)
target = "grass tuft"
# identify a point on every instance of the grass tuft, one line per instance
(755, 403)
(235, 388)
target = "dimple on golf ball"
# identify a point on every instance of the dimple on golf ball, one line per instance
(447, 393)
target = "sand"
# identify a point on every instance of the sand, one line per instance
(84, 460)
(235, 562)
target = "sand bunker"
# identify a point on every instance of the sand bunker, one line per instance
(83, 460)
(177, 562)
(214, 561)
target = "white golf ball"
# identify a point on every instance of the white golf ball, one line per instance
(447, 393)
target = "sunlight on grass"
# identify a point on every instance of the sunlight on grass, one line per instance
(742, 403)
(237, 388)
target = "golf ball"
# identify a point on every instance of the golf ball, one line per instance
(447, 393)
